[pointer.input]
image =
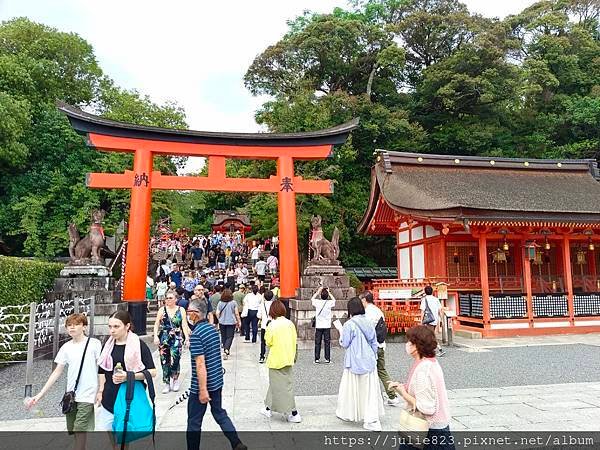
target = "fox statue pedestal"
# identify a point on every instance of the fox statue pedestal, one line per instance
(334, 278)
(79, 283)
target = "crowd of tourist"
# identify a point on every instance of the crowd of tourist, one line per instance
(227, 288)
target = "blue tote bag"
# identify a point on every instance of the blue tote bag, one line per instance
(134, 412)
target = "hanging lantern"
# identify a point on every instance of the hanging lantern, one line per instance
(581, 257)
(553, 285)
(530, 247)
(505, 246)
(498, 256)
(547, 245)
(591, 246)
(471, 258)
(456, 259)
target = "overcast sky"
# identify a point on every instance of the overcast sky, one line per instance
(192, 52)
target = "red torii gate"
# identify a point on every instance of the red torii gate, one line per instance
(145, 142)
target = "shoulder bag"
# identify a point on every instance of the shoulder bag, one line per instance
(427, 314)
(68, 401)
(134, 412)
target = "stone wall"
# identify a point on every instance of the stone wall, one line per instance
(302, 310)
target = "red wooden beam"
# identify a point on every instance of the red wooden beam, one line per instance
(215, 184)
(121, 144)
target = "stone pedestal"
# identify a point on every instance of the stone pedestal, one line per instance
(334, 278)
(84, 282)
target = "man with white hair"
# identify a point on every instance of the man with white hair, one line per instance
(207, 380)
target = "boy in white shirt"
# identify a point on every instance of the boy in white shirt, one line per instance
(81, 419)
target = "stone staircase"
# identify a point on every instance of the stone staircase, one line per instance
(151, 316)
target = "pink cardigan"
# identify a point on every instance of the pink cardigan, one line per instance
(426, 383)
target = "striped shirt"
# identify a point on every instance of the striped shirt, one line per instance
(205, 342)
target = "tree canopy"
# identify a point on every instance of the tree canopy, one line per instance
(43, 162)
(422, 75)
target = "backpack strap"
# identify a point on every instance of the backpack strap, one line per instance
(152, 394)
(128, 399)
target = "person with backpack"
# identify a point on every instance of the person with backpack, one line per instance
(122, 352)
(323, 302)
(431, 314)
(359, 396)
(375, 316)
(80, 354)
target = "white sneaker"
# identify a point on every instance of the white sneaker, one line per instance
(372, 426)
(393, 401)
(176, 385)
(266, 412)
(294, 419)
(166, 389)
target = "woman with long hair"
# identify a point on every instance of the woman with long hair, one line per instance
(280, 337)
(425, 389)
(170, 329)
(229, 319)
(359, 397)
(122, 352)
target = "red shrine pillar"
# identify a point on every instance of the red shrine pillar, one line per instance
(485, 283)
(138, 236)
(288, 230)
(528, 282)
(566, 251)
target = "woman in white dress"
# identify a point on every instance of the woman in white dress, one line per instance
(359, 397)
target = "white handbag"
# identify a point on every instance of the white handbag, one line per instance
(413, 427)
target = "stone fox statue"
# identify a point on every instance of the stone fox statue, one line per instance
(80, 250)
(322, 248)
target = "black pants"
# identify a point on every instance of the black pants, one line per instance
(263, 344)
(324, 334)
(252, 322)
(227, 334)
(244, 326)
(196, 412)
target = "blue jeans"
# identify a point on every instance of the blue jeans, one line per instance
(196, 412)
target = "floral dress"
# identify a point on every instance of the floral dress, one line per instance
(171, 341)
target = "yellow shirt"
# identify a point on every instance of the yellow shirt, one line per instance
(280, 337)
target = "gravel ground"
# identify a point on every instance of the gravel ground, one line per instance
(12, 380)
(497, 368)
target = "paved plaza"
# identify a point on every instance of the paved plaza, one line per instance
(483, 396)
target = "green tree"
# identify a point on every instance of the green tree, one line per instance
(43, 162)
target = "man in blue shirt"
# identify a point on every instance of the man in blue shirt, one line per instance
(176, 276)
(207, 380)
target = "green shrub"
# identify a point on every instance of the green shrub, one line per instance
(355, 283)
(23, 281)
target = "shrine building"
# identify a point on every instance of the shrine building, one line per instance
(510, 243)
(230, 222)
